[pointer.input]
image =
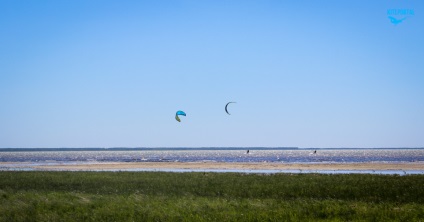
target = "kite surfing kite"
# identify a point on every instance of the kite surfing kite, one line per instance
(179, 113)
(226, 110)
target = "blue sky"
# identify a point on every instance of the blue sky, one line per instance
(303, 73)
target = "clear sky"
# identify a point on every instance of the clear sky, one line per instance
(98, 73)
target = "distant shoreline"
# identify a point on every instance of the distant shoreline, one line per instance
(193, 148)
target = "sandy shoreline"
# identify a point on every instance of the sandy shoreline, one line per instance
(92, 166)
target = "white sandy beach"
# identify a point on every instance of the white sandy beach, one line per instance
(93, 166)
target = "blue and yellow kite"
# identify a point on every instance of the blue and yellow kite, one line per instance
(179, 113)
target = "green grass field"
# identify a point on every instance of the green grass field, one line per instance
(160, 196)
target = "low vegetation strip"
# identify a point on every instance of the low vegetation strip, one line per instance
(161, 196)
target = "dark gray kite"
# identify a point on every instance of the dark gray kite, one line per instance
(226, 106)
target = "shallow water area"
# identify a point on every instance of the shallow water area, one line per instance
(259, 168)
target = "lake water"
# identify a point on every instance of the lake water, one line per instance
(218, 155)
(26, 159)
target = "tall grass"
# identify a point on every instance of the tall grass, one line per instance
(160, 196)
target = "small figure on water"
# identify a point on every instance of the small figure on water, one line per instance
(247, 152)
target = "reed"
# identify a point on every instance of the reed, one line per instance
(161, 196)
